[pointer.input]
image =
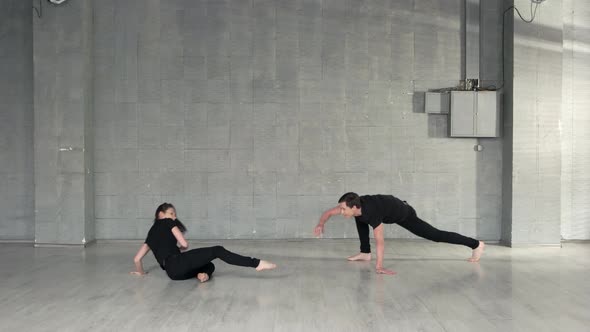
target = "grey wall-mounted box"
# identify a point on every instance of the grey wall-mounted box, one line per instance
(475, 114)
(437, 102)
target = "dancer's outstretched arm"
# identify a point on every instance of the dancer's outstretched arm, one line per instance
(137, 260)
(319, 229)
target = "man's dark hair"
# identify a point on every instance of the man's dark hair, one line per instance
(351, 199)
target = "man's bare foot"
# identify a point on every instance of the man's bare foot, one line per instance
(265, 265)
(476, 255)
(202, 276)
(360, 257)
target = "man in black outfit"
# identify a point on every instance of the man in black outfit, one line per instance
(376, 210)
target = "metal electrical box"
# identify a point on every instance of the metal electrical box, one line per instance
(475, 114)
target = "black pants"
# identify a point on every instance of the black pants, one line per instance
(421, 228)
(188, 264)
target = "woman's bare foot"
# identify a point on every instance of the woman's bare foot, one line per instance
(265, 265)
(360, 257)
(202, 276)
(476, 255)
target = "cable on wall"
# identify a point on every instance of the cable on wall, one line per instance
(39, 10)
(533, 15)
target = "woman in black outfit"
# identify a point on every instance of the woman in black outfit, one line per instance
(165, 237)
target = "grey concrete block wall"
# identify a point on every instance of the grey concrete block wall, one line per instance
(252, 100)
(536, 141)
(255, 116)
(16, 121)
(63, 103)
(575, 121)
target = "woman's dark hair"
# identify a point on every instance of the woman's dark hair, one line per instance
(163, 208)
(351, 199)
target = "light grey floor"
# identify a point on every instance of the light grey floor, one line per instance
(314, 289)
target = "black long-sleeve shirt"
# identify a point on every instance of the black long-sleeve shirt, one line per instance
(378, 209)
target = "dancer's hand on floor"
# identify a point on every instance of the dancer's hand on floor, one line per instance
(136, 273)
(318, 230)
(381, 270)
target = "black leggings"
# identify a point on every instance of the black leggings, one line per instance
(421, 228)
(188, 264)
